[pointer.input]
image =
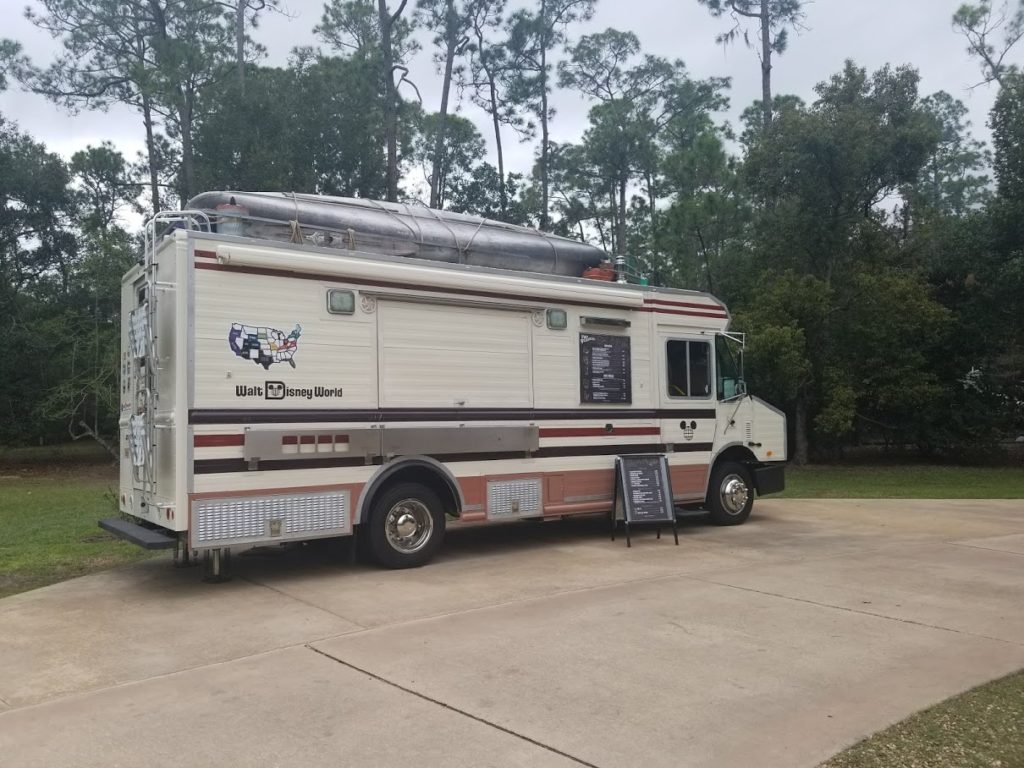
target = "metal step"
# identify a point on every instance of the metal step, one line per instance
(147, 538)
(682, 514)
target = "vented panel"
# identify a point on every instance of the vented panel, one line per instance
(750, 432)
(513, 498)
(254, 519)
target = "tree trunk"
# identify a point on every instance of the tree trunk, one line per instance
(390, 100)
(188, 170)
(652, 202)
(544, 116)
(442, 115)
(620, 246)
(766, 65)
(800, 431)
(240, 41)
(154, 181)
(502, 191)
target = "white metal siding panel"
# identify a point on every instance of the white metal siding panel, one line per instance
(444, 356)
(333, 350)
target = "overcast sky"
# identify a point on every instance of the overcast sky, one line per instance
(871, 32)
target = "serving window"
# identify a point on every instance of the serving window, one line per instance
(688, 366)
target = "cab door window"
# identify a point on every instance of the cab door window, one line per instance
(689, 368)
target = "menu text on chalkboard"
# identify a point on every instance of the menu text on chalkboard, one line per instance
(643, 492)
(605, 370)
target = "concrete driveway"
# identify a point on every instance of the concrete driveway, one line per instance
(773, 644)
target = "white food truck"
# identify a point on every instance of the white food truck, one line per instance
(300, 367)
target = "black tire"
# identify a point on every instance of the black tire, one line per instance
(416, 509)
(724, 495)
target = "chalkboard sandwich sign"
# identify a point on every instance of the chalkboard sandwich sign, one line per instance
(643, 493)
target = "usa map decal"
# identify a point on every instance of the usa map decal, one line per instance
(264, 346)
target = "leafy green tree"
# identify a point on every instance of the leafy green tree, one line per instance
(773, 19)
(489, 67)
(981, 24)
(38, 253)
(821, 175)
(106, 58)
(251, 140)
(451, 23)
(11, 60)
(630, 91)
(245, 14)
(483, 193)
(157, 56)
(952, 181)
(105, 186)
(462, 150)
(532, 36)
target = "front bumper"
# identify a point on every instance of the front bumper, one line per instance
(770, 479)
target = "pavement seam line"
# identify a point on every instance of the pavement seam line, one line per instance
(577, 590)
(452, 708)
(985, 549)
(304, 602)
(184, 670)
(859, 612)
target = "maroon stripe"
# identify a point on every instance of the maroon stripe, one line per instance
(373, 415)
(597, 431)
(658, 311)
(217, 441)
(217, 466)
(453, 291)
(205, 254)
(390, 284)
(690, 304)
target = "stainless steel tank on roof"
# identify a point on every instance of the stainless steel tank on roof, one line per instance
(397, 229)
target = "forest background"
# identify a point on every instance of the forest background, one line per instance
(867, 238)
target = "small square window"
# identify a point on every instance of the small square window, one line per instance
(558, 320)
(341, 302)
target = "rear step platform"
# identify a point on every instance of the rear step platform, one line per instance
(147, 538)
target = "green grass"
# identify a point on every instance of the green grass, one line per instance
(982, 728)
(40, 456)
(908, 481)
(48, 529)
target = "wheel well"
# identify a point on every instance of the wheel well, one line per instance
(737, 453)
(415, 472)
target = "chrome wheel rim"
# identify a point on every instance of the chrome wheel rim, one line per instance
(734, 494)
(408, 526)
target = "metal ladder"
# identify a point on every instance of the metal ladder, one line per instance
(144, 390)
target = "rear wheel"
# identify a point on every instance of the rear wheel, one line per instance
(730, 494)
(406, 526)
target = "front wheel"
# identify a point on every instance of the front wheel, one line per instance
(406, 526)
(730, 494)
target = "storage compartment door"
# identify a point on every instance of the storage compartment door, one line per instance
(445, 356)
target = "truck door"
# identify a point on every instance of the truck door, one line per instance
(687, 408)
